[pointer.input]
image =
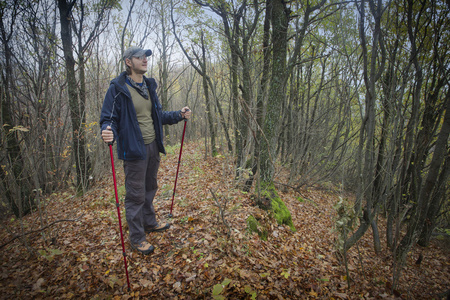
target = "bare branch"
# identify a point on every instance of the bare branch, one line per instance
(38, 230)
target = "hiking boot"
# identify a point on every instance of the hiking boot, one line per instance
(144, 247)
(158, 228)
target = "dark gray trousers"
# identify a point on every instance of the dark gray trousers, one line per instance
(141, 185)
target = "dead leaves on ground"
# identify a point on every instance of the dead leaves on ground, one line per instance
(195, 259)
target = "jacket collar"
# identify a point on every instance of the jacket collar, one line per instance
(120, 82)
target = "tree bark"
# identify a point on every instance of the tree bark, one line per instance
(262, 95)
(426, 194)
(437, 200)
(373, 69)
(12, 176)
(76, 115)
(209, 112)
(277, 90)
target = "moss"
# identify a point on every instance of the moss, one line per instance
(280, 210)
(253, 226)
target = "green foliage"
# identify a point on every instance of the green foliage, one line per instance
(218, 289)
(246, 173)
(254, 226)
(250, 291)
(285, 273)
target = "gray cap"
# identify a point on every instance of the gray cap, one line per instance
(134, 51)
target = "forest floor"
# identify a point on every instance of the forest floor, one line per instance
(80, 256)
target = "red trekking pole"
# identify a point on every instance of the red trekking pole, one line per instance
(118, 214)
(178, 168)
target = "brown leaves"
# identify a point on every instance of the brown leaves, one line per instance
(195, 258)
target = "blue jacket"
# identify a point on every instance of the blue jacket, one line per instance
(118, 112)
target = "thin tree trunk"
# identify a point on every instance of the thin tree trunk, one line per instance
(209, 112)
(262, 94)
(17, 191)
(423, 204)
(437, 200)
(65, 11)
(373, 68)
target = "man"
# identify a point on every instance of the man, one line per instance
(132, 115)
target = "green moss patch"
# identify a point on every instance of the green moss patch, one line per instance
(279, 209)
(254, 226)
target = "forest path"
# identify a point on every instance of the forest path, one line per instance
(195, 258)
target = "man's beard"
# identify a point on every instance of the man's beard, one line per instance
(136, 70)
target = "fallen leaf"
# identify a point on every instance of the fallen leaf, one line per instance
(145, 283)
(38, 284)
(341, 295)
(177, 286)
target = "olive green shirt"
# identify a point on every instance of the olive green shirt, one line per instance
(143, 109)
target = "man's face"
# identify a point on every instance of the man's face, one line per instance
(138, 65)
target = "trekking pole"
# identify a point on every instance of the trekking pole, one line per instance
(178, 168)
(118, 214)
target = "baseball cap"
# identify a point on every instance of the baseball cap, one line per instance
(134, 51)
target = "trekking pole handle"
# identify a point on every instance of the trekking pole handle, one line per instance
(187, 109)
(112, 142)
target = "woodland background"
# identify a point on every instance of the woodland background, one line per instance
(291, 96)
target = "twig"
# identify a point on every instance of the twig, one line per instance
(222, 212)
(38, 230)
(360, 261)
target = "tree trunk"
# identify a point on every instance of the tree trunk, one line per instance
(373, 68)
(437, 200)
(209, 111)
(422, 188)
(164, 71)
(262, 95)
(277, 90)
(84, 157)
(426, 194)
(12, 176)
(76, 115)
(202, 70)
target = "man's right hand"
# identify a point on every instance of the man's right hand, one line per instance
(108, 135)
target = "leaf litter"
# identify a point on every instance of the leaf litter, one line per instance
(195, 258)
